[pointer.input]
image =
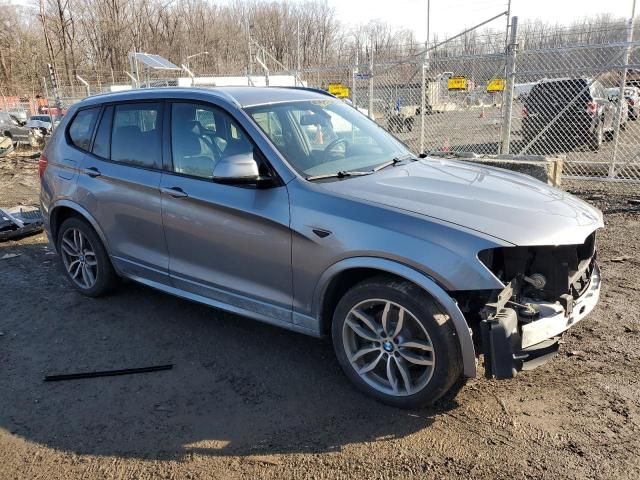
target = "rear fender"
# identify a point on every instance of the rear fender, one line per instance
(82, 213)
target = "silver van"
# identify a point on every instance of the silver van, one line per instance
(290, 207)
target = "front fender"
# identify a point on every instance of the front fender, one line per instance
(423, 281)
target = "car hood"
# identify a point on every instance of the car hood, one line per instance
(513, 207)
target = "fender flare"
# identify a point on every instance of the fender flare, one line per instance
(418, 278)
(85, 214)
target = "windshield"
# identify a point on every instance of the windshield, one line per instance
(324, 137)
(41, 118)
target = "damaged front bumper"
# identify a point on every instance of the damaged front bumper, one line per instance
(513, 342)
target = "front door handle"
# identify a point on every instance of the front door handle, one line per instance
(175, 192)
(92, 172)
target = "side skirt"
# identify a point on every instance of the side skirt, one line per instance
(224, 306)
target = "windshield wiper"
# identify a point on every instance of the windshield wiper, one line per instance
(392, 162)
(340, 174)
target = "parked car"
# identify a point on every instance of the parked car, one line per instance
(19, 114)
(568, 109)
(632, 96)
(42, 122)
(613, 94)
(11, 128)
(411, 265)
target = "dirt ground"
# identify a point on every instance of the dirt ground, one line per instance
(246, 400)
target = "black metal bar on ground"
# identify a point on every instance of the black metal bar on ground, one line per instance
(106, 373)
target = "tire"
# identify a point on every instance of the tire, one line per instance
(424, 326)
(76, 238)
(597, 137)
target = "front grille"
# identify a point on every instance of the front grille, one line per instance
(566, 269)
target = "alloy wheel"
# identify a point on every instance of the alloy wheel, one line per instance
(79, 258)
(388, 347)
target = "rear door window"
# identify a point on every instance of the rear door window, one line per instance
(136, 134)
(81, 128)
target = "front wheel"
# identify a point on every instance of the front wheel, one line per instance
(395, 343)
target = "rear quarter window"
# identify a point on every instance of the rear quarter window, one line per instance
(81, 128)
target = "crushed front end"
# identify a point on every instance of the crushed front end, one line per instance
(548, 290)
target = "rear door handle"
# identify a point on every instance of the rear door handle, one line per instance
(175, 192)
(92, 172)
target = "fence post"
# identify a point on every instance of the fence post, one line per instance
(507, 98)
(354, 79)
(423, 94)
(371, 81)
(623, 81)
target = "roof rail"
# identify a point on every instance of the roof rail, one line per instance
(312, 89)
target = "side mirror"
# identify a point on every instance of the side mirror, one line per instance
(240, 169)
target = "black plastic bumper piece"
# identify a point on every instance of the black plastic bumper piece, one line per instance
(503, 355)
(500, 341)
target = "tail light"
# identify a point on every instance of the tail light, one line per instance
(592, 108)
(525, 112)
(42, 165)
(632, 102)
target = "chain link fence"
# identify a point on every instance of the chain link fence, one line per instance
(578, 102)
(565, 102)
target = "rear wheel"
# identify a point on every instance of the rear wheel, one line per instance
(84, 258)
(395, 343)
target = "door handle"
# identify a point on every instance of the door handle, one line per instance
(175, 192)
(92, 172)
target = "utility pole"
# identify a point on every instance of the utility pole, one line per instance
(623, 83)
(507, 103)
(298, 60)
(56, 95)
(506, 32)
(250, 58)
(428, 31)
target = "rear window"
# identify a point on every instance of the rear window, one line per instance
(81, 128)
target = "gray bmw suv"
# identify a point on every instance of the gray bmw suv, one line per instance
(291, 207)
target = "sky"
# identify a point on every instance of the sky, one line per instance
(449, 17)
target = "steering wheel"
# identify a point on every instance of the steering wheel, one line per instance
(333, 144)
